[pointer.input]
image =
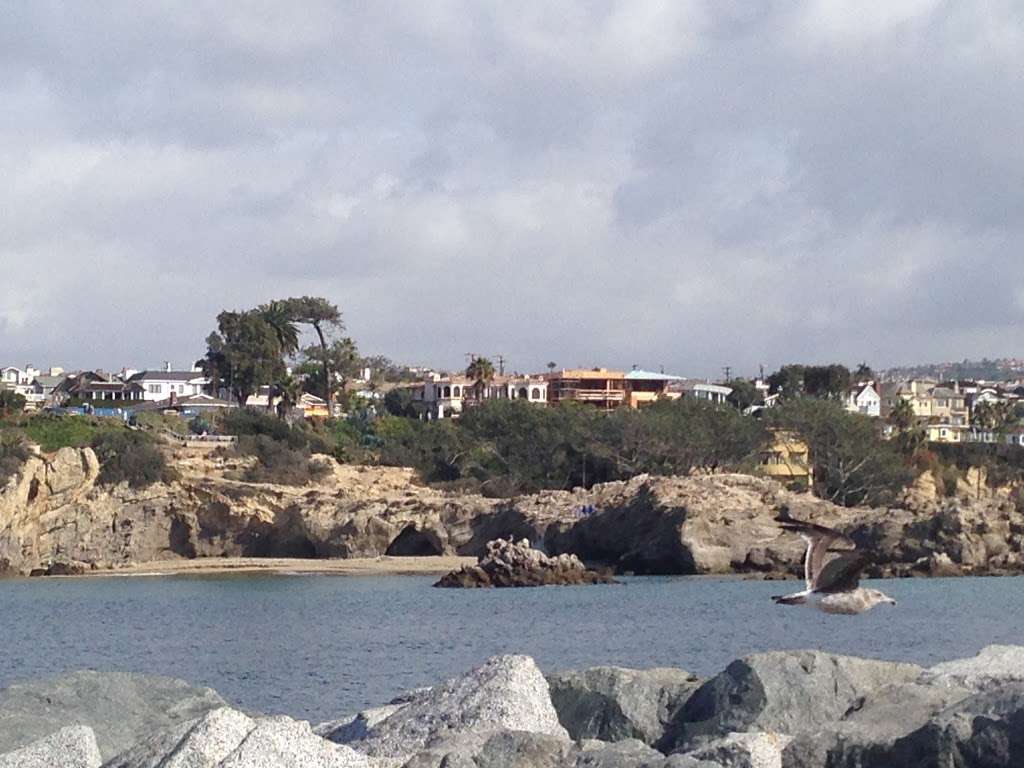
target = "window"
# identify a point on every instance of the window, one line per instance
(156, 389)
(536, 393)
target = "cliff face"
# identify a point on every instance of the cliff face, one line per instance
(53, 512)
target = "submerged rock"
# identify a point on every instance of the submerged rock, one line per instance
(121, 708)
(505, 693)
(613, 703)
(516, 564)
(71, 747)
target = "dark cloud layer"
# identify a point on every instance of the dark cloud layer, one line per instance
(687, 184)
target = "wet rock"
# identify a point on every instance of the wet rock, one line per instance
(505, 693)
(792, 692)
(71, 747)
(612, 703)
(120, 708)
(517, 564)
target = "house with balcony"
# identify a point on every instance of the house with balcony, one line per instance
(600, 387)
(787, 458)
(643, 387)
(532, 389)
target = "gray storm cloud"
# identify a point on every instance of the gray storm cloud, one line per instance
(687, 184)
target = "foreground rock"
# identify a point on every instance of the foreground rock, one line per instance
(226, 738)
(614, 704)
(120, 708)
(792, 692)
(517, 564)
(506, 693)
(791, 709)
(71, 747)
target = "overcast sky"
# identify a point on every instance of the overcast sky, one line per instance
(679, 184)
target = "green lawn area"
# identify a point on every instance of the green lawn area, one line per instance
(54, 432)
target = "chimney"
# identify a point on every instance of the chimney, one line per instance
(167, 367)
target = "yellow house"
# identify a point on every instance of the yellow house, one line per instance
(788, 460)
(946, 433)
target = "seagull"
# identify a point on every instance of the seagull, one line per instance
(833, 586)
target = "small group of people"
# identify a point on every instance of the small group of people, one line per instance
(587, 510)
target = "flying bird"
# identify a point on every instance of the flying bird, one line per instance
(833, 586)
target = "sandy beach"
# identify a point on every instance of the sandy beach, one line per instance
(358, 566)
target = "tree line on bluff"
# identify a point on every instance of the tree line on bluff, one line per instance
(505, 447)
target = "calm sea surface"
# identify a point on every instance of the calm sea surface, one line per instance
(317, 647)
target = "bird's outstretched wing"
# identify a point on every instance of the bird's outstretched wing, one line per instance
(819, 541)
(841, 573)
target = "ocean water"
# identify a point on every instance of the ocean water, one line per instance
(318, 647)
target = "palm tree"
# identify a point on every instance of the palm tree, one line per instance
(278, 315)
(290, 390)
(551, 366)
(902, 415)
(481, 370)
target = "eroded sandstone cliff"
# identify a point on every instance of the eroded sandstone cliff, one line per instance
(54, 516)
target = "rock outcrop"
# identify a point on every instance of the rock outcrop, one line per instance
(55, 519)
(616, 704)
(120, 708)
(517, 564)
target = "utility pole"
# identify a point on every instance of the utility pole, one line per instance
(501, 365)
(727, 370)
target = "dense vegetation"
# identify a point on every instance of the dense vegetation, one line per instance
(130, 457)
(13, 455)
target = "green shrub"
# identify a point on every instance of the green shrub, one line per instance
(11, 402)
(130, 457)
(13, 455)
(254, 422)
(278, 463)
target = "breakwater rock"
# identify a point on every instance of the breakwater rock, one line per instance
(784, 709)
(55, 519)
(517, 564)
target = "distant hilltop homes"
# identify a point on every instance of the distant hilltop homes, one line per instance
(950, 411)
(443, 396)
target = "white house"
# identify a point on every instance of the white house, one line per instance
(703, 390)
(864, 398)
(160, 385)
(533, 389)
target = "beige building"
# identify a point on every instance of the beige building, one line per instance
(600, 387)
(788, 460)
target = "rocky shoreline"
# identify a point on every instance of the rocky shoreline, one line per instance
(784, 709)
(55, 519)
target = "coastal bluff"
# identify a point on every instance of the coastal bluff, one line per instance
(782, 709)
(55, 519)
